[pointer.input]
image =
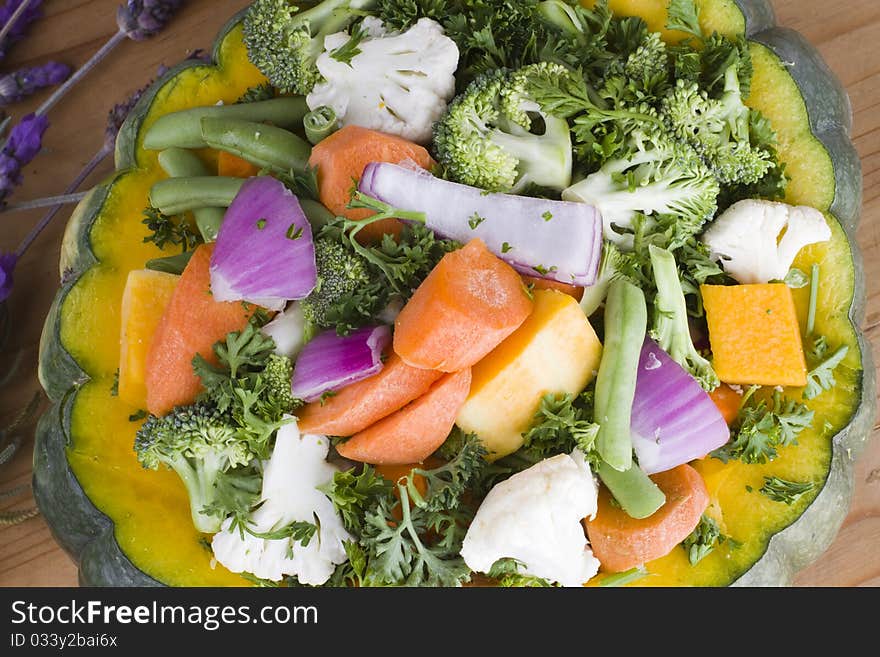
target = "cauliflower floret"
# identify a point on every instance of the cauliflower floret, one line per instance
(759, 240)
(535, 517)
(290, 479)
(399, 83)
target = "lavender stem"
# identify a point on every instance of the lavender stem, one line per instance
(50, 102)
(72, 187)
(14, 19)
(44, 202)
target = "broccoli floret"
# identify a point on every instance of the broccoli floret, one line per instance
(654, 175)
(276, 378)
(284, 43)
(649, 60)
(670, 325)
(344, 278)
(489, 139)
(719, 130)
(201, 444)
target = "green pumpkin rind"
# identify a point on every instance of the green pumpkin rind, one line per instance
(830, 115)
(82, 530)
(87, 534)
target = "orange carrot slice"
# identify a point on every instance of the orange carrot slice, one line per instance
(621, 542)
(728, 402)
(466, 306)
(357, 406)
(414, 432)
(233, 166)
(191, 324)
(341, 158)
(537, 283)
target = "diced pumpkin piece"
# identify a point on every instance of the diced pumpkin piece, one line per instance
(754, 334)
(554, 351)
(465, 307)
(144, 299)
(414, 432)
(340, 160)
(357, 406)
(536, 283)
(191, 324)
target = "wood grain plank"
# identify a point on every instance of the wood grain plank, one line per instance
(846, 33)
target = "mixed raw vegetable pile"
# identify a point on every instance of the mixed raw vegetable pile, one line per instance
(471, 289)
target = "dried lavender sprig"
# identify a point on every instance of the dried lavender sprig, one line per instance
(22, 83)
(66, 198)
(137, 20)
(115, 118)
(25, 141)
(16, 16)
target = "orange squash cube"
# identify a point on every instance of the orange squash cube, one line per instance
(754, 334)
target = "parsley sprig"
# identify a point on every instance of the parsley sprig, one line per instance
(764, 426)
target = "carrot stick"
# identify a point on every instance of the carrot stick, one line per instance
(466, 306)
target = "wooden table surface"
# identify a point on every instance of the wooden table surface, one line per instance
(846, 33)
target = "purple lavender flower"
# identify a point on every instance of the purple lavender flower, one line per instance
(25, 141)
(141, 19)
(24, 82)
(31, 13)
(7, 268)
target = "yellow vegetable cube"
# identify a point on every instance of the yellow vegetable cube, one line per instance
(754, 334)
(554, 351)
(146, 294)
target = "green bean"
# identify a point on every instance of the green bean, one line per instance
(316, 213)
(633, 489)
(320, 123)
(626, 319)
(176, 195)
(170, 264)
(265, 146)
(180, 163)
(184, 129)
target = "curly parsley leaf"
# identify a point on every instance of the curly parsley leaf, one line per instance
(684, 16)
(821, 377)
(563, 422)
(257, 93)
(704, 539)
(446, 484)
(165, 229)
(783, 490)
(352, 494)
(762, 427)
(507, 573)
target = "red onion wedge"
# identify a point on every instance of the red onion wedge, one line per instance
(264, 253)
(674, 420)
(558, 240)
(330, 361)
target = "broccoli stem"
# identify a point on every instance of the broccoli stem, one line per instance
(626, 318)
(184, 129)
(671, 330)
(199, 481)
(265, 146)
(176, 195)
(633, 489)
(181, 163)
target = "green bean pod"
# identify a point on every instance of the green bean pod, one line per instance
(320, 123)
(176, 195)
(316, 213)
(633, 489)
(184, 129)
(181, 163)
(626, 320)
(268, 147)
(171, 264)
